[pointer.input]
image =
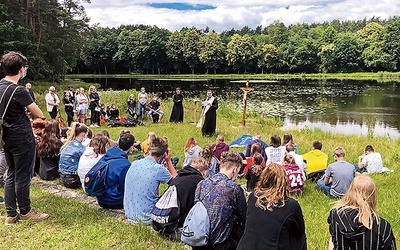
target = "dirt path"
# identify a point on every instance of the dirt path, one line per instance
(62, 191)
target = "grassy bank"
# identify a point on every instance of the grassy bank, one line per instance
(378, 76)
(73, 225)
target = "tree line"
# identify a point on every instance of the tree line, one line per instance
(56, 37)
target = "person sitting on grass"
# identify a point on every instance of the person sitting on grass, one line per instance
(71, 152)
(275, 152)
(298, 158)
(192, 151)
(118, 165)
(97, 147)
(316, 161)
(225, 203)
(257, 139)
(220, 146)
(338, 176)
(274, 220)
(212, 161)
(296, 176)
(254, 172)
(143, 179)
(353, 222)
(249, 162)
(370, 162)
(49, 151)
(186, 182)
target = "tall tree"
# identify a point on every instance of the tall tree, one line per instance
(240, 52)
(174, 50)
(212, 51)
(190, 48)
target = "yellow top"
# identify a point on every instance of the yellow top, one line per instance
(316, 161)
(145, 147)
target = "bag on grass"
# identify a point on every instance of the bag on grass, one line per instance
(196, 228)
(95, 179)
(166, 212)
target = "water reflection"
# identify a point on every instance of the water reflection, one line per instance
(345, 107)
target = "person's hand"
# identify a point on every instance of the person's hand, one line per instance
(168, 154)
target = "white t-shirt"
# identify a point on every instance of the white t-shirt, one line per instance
(275, 154)
(373, 162)
(86, 162)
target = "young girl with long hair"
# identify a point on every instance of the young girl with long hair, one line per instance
(295, 175)
(254, 172)
(213, 162)
(192, 151)
(98, 146)
(49, 151)
(71, 152)
(353, 222)
(274, 220)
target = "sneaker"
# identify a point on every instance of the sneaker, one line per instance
(1, 200)
(91, 126)
(11, 220)
(33, 215)
(96, 126)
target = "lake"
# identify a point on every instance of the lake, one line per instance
(345, 107)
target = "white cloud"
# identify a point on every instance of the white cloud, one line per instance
(236, 14)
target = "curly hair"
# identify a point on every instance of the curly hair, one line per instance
(47, 146)
(272, 188)
(207, 153)
(257, 168)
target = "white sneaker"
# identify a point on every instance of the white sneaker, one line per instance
(91, 126)
(96, 126)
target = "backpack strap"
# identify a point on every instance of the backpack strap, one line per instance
(214, 185)
(6, 97)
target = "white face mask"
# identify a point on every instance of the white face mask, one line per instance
(24, 74)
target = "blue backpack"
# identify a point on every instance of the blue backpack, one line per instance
(95, 179)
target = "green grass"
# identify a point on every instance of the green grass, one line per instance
(73, 225)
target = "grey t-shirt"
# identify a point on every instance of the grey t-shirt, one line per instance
(342, 174)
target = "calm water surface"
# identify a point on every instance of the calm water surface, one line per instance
(345, 107)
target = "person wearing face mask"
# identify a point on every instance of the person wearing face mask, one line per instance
(118, 166)
(20, 146)
(225, 203)
(210, 106)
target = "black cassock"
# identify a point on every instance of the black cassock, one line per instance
(210, 119)
(177, 109)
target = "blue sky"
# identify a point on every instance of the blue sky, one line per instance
(227, 14)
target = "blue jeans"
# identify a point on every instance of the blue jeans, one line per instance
(142, 110)
(20, 152)
(325, 188)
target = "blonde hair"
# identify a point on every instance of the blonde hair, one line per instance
(272, 188)
(200, 164)
(361, 196)
(339, 152)
(76, 129)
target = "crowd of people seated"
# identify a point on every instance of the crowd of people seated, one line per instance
(275, 173)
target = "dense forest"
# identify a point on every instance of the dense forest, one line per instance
(57, 39)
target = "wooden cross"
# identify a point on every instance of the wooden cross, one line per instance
(245, 90)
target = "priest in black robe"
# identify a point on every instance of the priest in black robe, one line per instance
(177, 109)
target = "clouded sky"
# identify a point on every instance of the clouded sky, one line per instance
(228, 14)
